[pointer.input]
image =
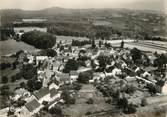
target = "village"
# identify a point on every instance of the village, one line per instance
(89, 78)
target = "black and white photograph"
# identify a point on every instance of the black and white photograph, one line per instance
(83, 58)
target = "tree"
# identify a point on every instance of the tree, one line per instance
(130, 89)
(56, 110)
(22, 85)
(67, 97)
(152, 88)
(4, 80)
(21, 103)
(100, 43)
(93, 43)
(85, 77)
(51, 52)
(71, 64)
(160, 61)
(122, 44)
(5, 66)
(143, 102)
(34, 84)
(122, 103)
(18, 76)
(136, 54)
(29, 71)
(39, 39)
(90, 101)
(5, 90)
(13, 78)
(130, 109)
(77, 86)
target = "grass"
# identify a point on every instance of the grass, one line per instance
(69, 38)
(81, 107)
(12, 46)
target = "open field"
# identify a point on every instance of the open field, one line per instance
(69, 39)
(27, 29)
(101, 23)
(81, 107)
(147, 45)
(12, 46)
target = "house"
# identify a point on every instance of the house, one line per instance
(56, 66)
(150, 69)
(53, 103)
(40, 59)
(53, 85)
(33, 106)
(73, 75)
(54, 94)
(64, 78)
(42, 95)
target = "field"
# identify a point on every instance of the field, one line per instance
(27, 29)
(146, 45)
(11, 46)
(69, 39)
(101, 23)
(153, 46)
(81, 107)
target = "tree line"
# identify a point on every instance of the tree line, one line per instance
(39, 39)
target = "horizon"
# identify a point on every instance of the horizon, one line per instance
(154, 5)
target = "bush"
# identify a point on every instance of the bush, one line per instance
(66, 96)
(56, 110)
(29, 71)
(130, 109)
(71, 64)
(88, 113)
(80, 43)
(5, 90)
(130, 89)
(39, 39)
(90, 101)
(143, 102)
(5, 66)
(77, 86)
(34, 84)
(136, 54)
(48, 52)
(4, 80)
(85, 77)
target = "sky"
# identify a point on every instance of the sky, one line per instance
(158, 5)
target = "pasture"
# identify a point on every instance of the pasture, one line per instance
(11, 46)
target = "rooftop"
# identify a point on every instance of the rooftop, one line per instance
(73, 72)
(41, 93)
(32, 105)
(53, 92)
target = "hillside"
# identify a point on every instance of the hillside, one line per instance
(152, 22)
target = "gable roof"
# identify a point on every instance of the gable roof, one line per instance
(150, 68)
(64, 77)
(53, 92)
(32, 105)
(74, 73)
(41, 93)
